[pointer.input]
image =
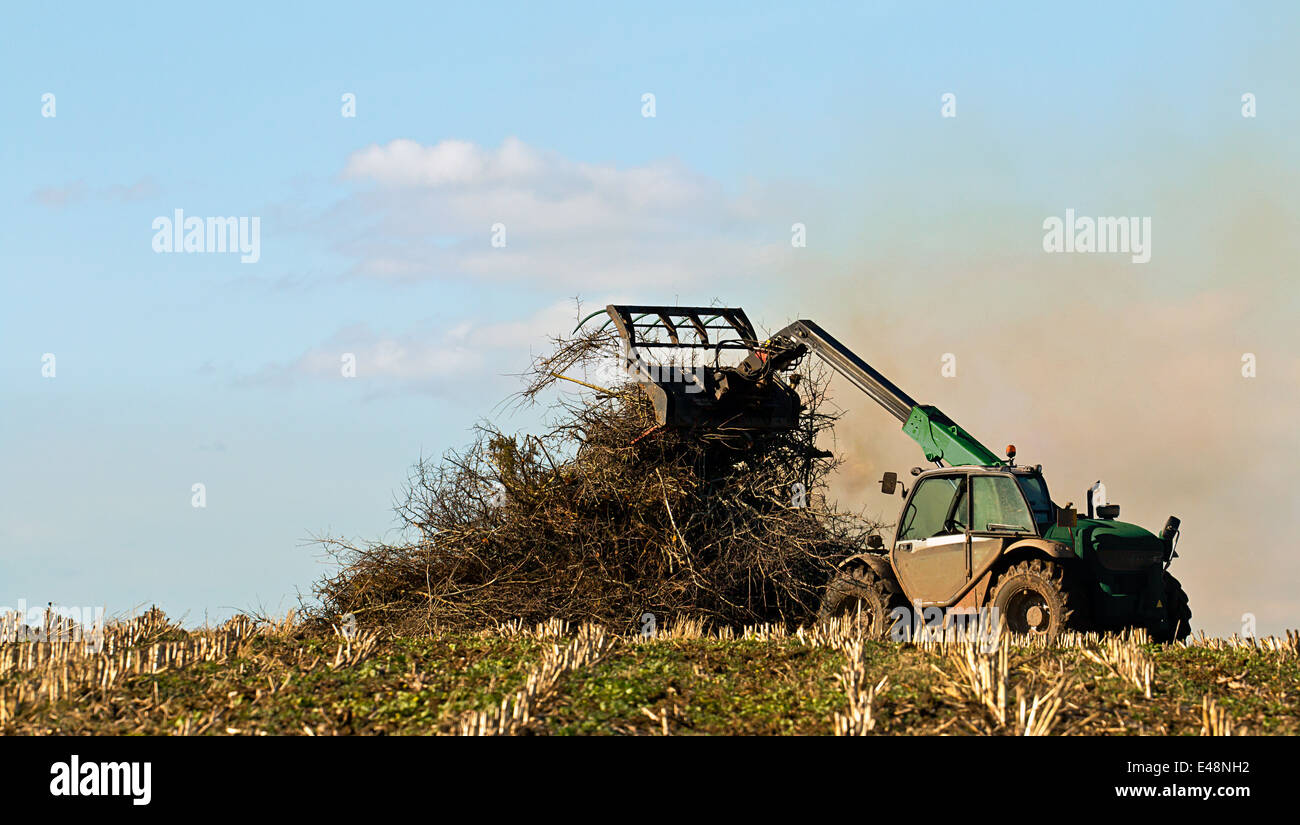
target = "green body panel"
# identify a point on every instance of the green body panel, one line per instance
(1125, 565)
(941, 439)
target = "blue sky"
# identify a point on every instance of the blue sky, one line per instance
(177, 369)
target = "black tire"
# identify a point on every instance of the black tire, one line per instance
(1178, 609)
(862, 593)
(1036, 597)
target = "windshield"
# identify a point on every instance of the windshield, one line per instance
(998, 505)
(1035, 490)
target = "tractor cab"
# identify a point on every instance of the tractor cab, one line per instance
(1002, 500)
(957, 521)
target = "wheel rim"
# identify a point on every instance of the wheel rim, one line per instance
(1028, 611)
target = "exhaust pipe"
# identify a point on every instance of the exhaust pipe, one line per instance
(1170, 535)
(1171, 528)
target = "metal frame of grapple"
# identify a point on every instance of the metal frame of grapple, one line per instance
(686, 327)
(689, 396)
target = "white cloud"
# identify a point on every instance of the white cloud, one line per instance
(435, 359)
(408, 163)
(58, 197)
(428, 212)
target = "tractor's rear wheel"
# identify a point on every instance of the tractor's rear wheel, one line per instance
(1035, 597)
(863, 596)
(1178, 609)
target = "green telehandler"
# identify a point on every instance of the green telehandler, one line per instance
(975, 532)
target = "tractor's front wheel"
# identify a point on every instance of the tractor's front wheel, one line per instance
(1178, 612)
(1034, 597)
(863, 596)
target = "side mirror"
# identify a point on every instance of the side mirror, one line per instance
(875, 542)
(1067, 517)
(889, 483)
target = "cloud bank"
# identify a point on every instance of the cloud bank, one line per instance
(515, 213)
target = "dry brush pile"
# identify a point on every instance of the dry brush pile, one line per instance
(605, 518)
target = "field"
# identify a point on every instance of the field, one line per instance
(265, 677)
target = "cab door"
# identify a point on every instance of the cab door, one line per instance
(930, 553)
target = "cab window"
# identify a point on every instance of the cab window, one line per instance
(1035, 490)
(998, 505)
(931, 509)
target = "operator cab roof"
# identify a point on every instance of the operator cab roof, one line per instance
(979, 468)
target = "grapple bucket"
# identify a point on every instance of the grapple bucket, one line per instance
(678, 356)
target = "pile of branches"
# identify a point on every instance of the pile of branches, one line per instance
(605, 518)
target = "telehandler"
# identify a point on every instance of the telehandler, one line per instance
(976, 531)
